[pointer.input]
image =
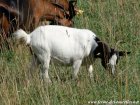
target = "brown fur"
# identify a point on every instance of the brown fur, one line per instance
(27, 14)
(30, 12)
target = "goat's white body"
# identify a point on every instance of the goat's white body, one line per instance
(62, 43)
(68, 45)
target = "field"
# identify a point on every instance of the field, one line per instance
(117, 22)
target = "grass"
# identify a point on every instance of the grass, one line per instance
(113, 21)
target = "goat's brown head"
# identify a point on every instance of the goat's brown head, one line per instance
(109, 56)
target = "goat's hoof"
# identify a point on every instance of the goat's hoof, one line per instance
(47, 81)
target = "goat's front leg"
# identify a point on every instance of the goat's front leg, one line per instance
(90, 70)
(113, 69)
(76, 66)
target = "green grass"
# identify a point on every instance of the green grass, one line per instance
(112, 21)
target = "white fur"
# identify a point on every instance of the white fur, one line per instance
(90, 71)
(112, 62)
(67, 45)
(23, 35)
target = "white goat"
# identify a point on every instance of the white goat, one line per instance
(67, 45)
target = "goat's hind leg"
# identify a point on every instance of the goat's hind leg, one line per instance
(34, 64)
(31, 70)
(45, 69)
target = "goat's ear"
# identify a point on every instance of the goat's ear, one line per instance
(97, 39)
(123, 53)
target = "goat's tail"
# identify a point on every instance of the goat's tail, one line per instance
(21, 34)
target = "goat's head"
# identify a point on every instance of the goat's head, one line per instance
(109, 56)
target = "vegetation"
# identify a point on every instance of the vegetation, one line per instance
(116, 22)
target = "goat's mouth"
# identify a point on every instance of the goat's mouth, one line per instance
(111, 68)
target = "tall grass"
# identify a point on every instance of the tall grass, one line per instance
(113, 21)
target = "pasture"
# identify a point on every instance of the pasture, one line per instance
(116, 22)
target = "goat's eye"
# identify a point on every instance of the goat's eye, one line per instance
(98, 54)
(117, 60)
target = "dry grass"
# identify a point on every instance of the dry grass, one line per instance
(112, 21)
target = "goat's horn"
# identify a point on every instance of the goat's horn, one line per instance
(118, 42)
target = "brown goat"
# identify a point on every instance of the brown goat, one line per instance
(68, 5)
(50, 12)
(4, 24)
(27, 14)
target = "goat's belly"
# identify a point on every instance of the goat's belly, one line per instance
(61, 62)
(64, 58)
(67, 55)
